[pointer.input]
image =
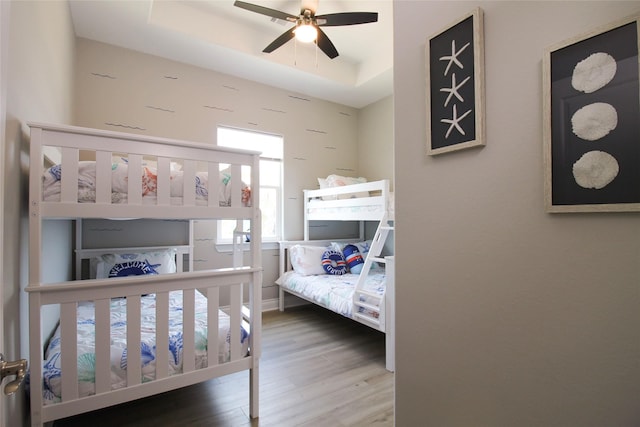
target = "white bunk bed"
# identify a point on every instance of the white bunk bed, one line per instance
(367, 297)
(173, 195)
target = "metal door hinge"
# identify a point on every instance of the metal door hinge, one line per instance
(17, 368)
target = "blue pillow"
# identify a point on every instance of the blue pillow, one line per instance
(135, 264)
(133, 268)
(333, 263)
(355, 262)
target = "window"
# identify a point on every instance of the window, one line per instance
(272, 147)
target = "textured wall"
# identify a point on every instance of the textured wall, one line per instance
(124, 90)
(506, 315)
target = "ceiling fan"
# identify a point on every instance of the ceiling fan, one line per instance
(310, 23)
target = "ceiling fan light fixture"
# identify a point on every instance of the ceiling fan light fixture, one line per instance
(306, 33)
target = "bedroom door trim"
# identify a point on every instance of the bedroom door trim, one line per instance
(4, 55)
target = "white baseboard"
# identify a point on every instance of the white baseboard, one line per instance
(270, 304)
(274, 303)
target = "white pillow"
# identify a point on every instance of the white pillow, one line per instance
(135, 264)
(307, 260)
(339, 181)
(324, 184)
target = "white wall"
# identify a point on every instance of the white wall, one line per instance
(120, 89)
(506, 315)
(124, 90)
(375, 140)
(40, 76)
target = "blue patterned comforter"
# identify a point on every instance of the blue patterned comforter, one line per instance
(334, 292)
(86, 339)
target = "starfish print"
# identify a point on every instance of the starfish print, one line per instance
(455, 121)
(453, 90)
(454, 56)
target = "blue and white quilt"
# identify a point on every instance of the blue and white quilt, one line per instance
(334, 292)
(86, 339)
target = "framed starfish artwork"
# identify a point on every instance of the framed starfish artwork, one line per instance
(591, 113)
(455, 86)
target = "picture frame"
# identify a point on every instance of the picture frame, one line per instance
(454, 59)
(591, 121)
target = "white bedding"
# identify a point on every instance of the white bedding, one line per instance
(332, 291)
(86, 340)
(119, 185)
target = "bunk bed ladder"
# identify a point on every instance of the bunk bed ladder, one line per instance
(374, 300)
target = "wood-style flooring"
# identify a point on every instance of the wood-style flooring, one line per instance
(317, 369)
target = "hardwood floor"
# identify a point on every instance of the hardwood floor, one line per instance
(317, 369)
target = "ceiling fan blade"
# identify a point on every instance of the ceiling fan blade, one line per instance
(265, 11)
(325, 44)
(346, 18)
(284, 37)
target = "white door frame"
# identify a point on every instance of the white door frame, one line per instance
(4, 56)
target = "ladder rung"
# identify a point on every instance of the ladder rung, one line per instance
(387, 227)
(369, 294)
(378, 259)
(367, 306)
(367, 318)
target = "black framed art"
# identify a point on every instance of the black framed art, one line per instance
(591, 112)
(455, 86)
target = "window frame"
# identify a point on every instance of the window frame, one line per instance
(224, 242)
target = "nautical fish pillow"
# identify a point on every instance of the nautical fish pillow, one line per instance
(136, 264)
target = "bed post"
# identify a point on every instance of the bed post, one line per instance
(390, 315)
(256, 328)
(306, 216)
(282, 269)
(255, 295)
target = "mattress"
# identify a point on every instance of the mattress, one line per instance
(334, 292)
(51, 182)
(86, 339)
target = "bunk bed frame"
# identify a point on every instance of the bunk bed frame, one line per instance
(71, 142)
(370, 201)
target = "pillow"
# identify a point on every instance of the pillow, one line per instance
(307, 260)
(339, 181)
(363, 248)
(333, 262)
(322, 182)
(354, 260)
(135, 264)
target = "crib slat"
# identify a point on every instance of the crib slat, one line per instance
(236, 186)
(236, 319)
(69, 362)
(213, 304)
(103, 340)
(188, 330)
(189, 191)
(162, 335)
(135, 179)
(103, 177)
(164, 181)
(134, 371)
(69, 179)
(214, 184)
